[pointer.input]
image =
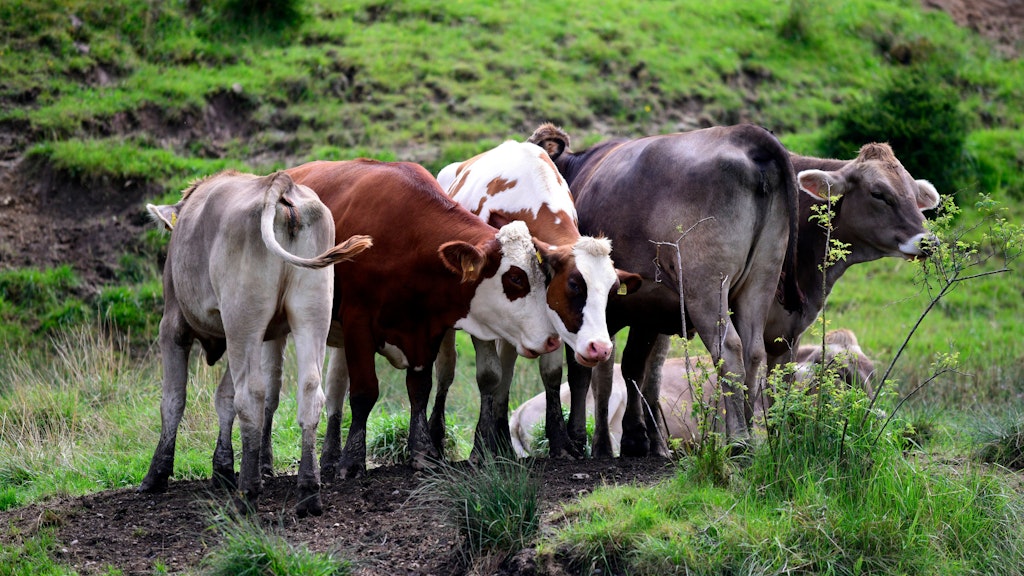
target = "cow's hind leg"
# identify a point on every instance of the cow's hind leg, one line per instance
(244, 361)
(175, 345)
(224, 453)
(273, 364)
(310, 347)
(336, 382)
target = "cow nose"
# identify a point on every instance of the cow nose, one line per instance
(552, 343)
(928, 244)
(599, 351)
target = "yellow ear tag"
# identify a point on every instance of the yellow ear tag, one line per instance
(622, 290)
(174, 219)
(540, 260)
(471, 268)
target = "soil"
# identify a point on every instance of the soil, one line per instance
(49, 217)
(370, 521)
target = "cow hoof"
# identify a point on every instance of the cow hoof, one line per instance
(153, 485)
(634, 449)
(310, 505)
(224, 480)
(351, 470)
(267, 471)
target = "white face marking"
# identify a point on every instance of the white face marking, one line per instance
(593, 260)
(523, 322)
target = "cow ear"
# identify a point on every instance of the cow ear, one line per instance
(498, 219)
(551, 138)
(168, 214)
(629, 280)
(821, 184)
(549, 257)
(927, 195)
(463, 259)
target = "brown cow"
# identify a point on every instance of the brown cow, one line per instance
(726, 198)
(681, 379)
(518, 181)
(436, 266)
(232, 281)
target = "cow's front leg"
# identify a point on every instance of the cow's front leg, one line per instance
(488, 380)
(421, 448)
(579, 384)
(559, 445)
(603, 377)
(657, 431)
(635, 440)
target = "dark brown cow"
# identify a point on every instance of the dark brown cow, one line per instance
(727, 197)
(436, 267)
(232, 281)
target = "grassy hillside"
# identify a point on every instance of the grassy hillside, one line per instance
(104, 95)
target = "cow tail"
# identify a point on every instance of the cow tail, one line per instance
(790, 295)
(272, 197)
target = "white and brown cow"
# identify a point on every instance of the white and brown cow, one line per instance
(683, 379)
(518, 181)
(250, 259)
(436, 267)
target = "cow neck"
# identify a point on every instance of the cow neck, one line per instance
(576, 168)
(811, 242)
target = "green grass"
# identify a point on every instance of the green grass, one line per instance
(249, 548)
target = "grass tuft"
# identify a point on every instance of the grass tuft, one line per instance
(494, 506)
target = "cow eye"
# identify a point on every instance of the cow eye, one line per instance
(574, 286)
(516, 279)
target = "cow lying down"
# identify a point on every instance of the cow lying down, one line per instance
(841, 353)
(249, 261)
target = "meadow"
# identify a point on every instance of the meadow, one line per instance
(101, 94)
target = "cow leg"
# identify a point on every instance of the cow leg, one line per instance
(502, 439)
(175, 346)
(488, 379)
(579, 384)
(421, 447)
(363, 395)
(634, 422)
(273, 367)
(244, 361)
(444, 371)
(310, 348)
(657, 431)
(224, 453)
(719, 335)
(559, 445)
(336, 383)
(603, 376)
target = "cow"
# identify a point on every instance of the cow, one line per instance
(683, 377)
(234, 279)
(878, 211)
(708, 219)
(518, 181)
(436, 267)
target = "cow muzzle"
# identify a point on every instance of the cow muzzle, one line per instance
(550, 345)
(920, 246)
(594, 352)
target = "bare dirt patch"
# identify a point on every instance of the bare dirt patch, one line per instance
(370, 520)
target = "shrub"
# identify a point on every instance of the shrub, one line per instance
(919, 117)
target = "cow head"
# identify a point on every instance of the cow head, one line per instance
(842, 354)
(508, 304)
(580, 280)
(880, 213)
